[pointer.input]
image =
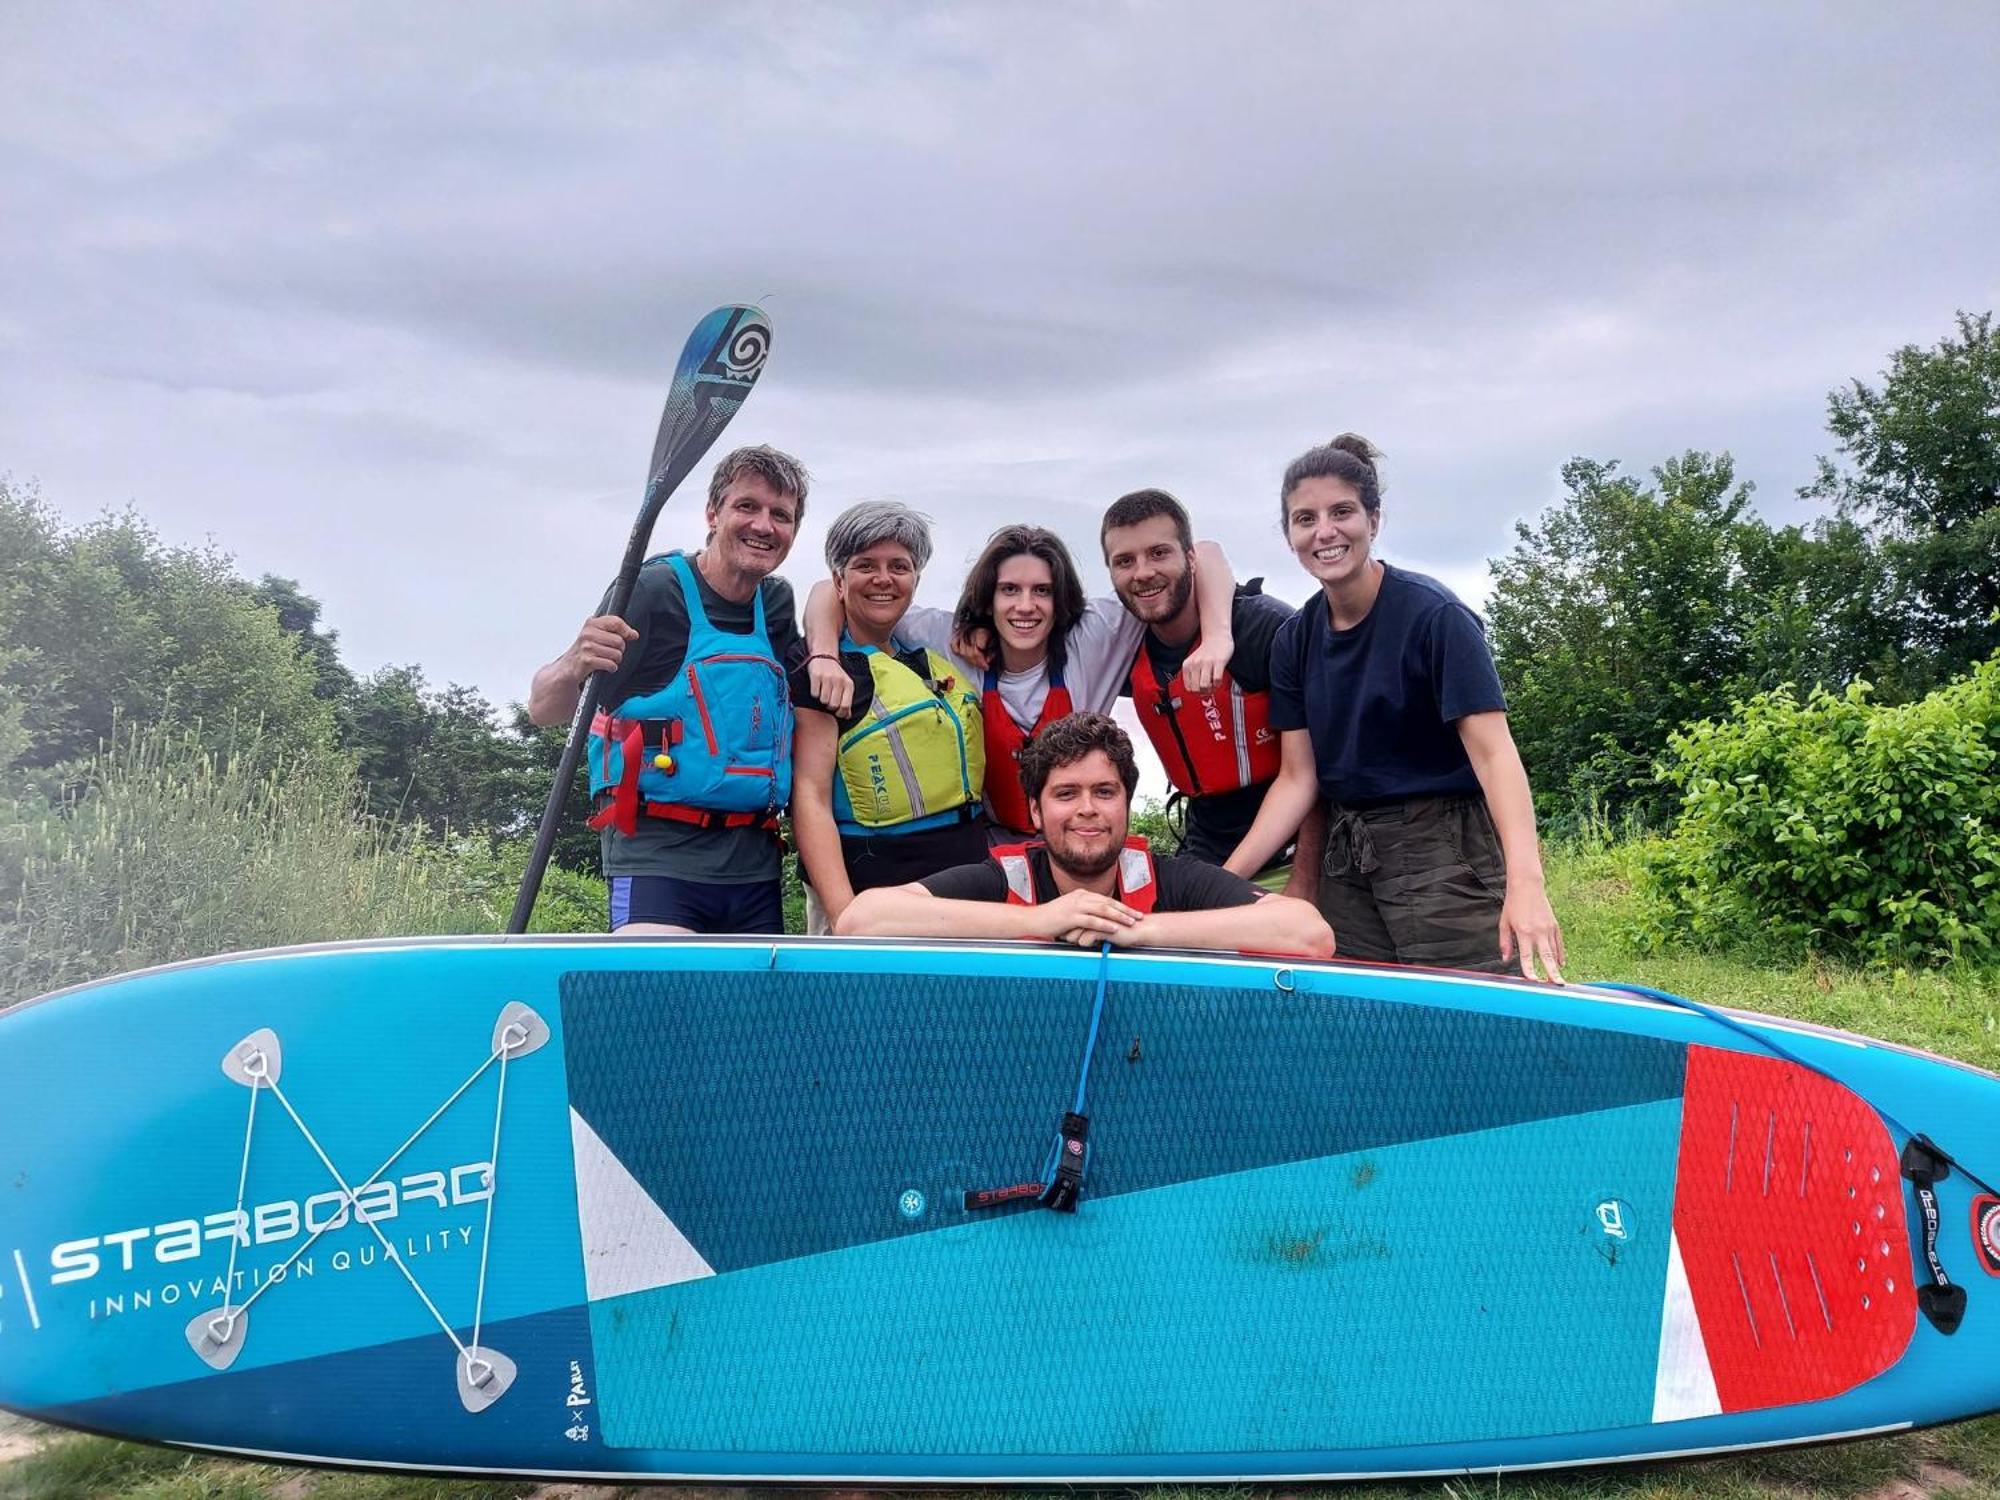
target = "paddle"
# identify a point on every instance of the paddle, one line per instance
(722, 360)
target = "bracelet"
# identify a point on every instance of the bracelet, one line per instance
(822, 656)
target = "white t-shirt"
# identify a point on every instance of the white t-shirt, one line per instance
(1101, 646)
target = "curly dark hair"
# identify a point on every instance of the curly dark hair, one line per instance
(975, 600)
(1068, 741)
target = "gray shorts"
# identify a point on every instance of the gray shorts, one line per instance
(1416, 882)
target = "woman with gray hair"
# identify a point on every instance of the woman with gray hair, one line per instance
(888, 791)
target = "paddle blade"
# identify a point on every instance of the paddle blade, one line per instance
(722, 360)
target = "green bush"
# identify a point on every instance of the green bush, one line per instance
(1836, 824)
(568, 901)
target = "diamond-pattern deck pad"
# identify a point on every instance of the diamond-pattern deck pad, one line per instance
(1320, 1220)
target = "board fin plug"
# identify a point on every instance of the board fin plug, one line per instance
(484, 1376)
(218, 1334)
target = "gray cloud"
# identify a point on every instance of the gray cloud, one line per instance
(386, 300)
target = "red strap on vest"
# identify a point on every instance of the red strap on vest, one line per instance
(702, 817)
(614, 807)
(1141, 893)
(621, 809)
(1006, 798)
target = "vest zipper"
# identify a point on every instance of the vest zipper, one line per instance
(918, 807)
(701, 708)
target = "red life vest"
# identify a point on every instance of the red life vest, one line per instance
(1208, 742)
(1006, 798)
(1138, 887)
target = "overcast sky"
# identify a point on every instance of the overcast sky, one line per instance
(385, 298)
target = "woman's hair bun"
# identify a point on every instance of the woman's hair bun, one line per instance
(1350, 458)
(1359, 446)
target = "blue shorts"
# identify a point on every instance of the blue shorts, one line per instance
(697, 905)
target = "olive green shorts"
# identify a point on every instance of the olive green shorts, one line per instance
(1416, 882)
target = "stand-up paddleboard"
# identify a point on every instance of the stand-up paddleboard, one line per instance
(687, 1208)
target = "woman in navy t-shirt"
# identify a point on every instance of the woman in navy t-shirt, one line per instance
(1392, 711)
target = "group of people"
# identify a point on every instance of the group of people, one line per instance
(956, 772)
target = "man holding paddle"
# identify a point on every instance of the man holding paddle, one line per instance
(691, 765)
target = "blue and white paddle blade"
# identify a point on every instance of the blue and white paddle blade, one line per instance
(722, 360)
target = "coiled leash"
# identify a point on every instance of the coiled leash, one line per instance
(1061, 1184)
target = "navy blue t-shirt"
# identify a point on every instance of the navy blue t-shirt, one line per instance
(1382, 701)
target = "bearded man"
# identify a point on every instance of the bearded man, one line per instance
(1086, 880)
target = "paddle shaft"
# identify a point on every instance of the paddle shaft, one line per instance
(579, 728)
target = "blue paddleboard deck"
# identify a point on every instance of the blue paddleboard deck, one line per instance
(612, 1207)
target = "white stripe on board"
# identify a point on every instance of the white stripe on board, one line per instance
(27, 1291)
(1684, 1381)
(629, 1243)
(1082, 1477)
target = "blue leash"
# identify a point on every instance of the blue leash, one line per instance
(1096, 1019)
(1062, 1172)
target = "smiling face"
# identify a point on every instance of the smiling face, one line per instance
(1024, 606)
(1330, 533)
(1083, 813)
(875, 589)
(1151, 571)
(754, 528)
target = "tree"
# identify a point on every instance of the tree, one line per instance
(436, 756)
(298, 612)
(1621, 615)
(1923, 454)
(1824, 608)
(105, 622)
(577, 845)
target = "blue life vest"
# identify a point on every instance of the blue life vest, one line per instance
(711, 747)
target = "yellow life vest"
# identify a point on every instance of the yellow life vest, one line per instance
(917, 757)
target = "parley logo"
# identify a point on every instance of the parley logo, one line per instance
(578, 1430)
(177, 1240)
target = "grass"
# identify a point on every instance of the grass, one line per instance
(177, 850)
(174, 851)
(94, 1466)
(1952, 1012)
(1955, 1012)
